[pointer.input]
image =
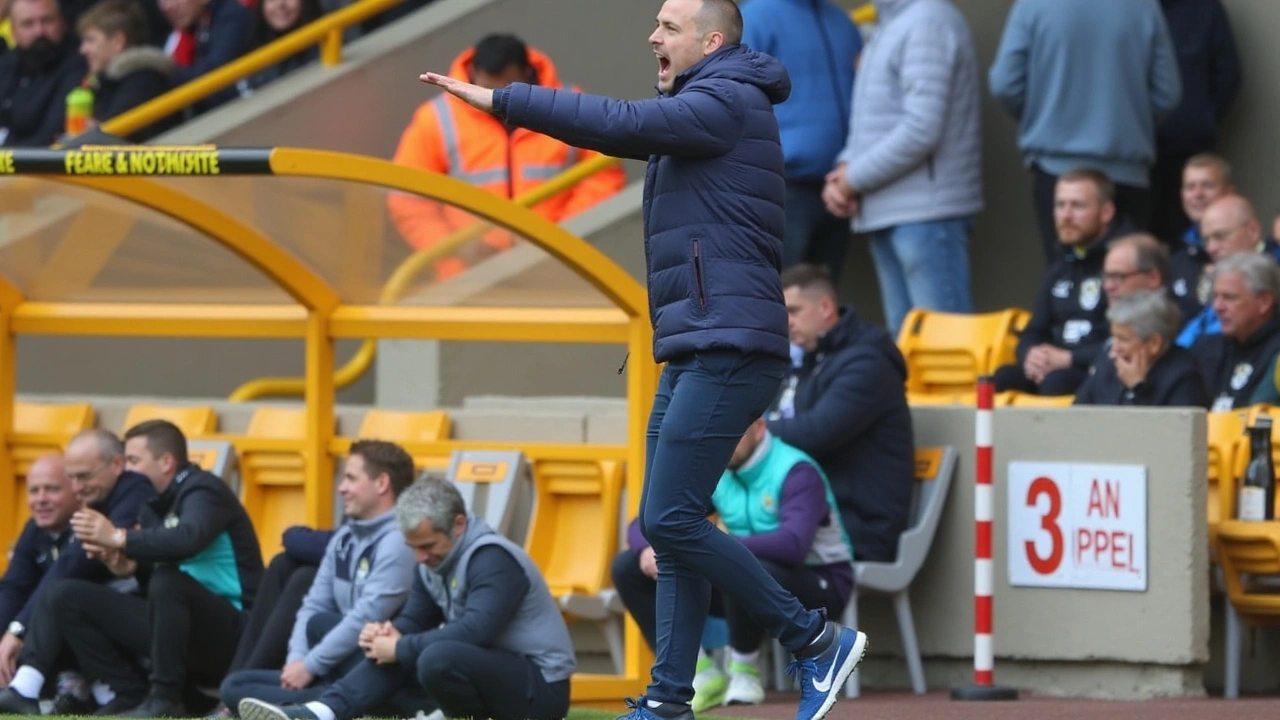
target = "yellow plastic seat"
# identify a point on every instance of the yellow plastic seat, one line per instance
(414, 431)
(1249, 553)
(947, 352)
(1020, 399)
(1225, 442)
(41, 429)
(273, 473)
(575, 500)
(969, 399)
(192, 420)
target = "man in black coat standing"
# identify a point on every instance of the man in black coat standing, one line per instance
(846, 406)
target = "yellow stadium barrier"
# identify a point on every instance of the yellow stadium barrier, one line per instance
(304, 263)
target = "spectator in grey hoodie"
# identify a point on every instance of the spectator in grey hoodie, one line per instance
(364, 578)
(911, 172)
(1087, 81)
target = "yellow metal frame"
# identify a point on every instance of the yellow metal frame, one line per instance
(320, 318)
(399, 280)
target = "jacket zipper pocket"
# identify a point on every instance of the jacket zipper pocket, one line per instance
(697, 272)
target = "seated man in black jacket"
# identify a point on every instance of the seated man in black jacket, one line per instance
(1069, 321)
(197, 559)
(51, 501)
(36, 77)
(1142, 365)
(846, 407)
(96, 469)
(1245, 290)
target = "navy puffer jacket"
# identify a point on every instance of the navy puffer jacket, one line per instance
(713, 198)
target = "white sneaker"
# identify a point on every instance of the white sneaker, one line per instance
(744, 686)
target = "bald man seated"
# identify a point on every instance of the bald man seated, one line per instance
(90, 475)
(1229, 226)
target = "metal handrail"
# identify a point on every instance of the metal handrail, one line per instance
(407, 270)
(325, 32)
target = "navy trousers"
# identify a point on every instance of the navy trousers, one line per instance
(704, 404)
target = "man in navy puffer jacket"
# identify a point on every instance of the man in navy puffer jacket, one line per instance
(714, 220)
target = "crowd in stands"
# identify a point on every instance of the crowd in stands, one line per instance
(127, 52)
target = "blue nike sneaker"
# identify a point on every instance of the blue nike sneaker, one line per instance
(641, 710)
(822, 677)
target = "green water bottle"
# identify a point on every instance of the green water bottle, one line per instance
(79, 110)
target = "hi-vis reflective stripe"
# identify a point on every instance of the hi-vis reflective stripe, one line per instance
(546, 172)
(449, 129)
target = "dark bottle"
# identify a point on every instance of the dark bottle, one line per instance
(1258, 490)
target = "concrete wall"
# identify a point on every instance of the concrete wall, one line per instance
(1073, 642)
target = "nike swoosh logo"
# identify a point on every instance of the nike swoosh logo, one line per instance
(825, 684)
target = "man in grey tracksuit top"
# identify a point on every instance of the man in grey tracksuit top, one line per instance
(480, 632)
(1087, 81)
(364, 578)
(911, 172)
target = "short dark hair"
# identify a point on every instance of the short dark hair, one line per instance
(722, 16)
(812, 279)
(1148, 253)
(381, 457)
(1103, 183)
(495, 53)
(162, 437)
(116, 16)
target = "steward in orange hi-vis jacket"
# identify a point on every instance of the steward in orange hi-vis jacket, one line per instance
(452, 138)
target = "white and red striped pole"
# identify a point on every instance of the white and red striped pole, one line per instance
(984, 687)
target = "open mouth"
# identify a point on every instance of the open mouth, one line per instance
(664, 65)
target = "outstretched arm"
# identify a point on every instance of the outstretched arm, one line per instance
(700, 122)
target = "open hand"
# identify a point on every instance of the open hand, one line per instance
(473, 95)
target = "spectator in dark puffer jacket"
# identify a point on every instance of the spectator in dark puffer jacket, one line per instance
(846, 406)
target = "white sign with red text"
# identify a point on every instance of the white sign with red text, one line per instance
(1077, 525)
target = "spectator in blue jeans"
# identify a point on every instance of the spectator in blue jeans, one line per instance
(819, 44)
(714, 219)
(910, 175)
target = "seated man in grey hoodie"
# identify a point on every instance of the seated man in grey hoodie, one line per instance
(480, 632)
(364, 578)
